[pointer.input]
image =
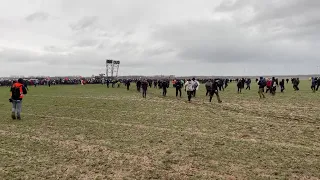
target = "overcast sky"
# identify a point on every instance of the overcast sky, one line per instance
(149, 37)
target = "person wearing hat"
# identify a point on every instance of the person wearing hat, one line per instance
(18, 91)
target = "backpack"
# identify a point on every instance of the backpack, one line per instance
(16, 92)
(195, 85)
(178, 84)
(263, 83)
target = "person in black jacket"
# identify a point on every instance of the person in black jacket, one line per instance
(144, 87)
(282, 85)
(178, 86)
(164, 86)
(262, 84)
(214, 90)
(128, 84)
(318, 83)
(138, 85)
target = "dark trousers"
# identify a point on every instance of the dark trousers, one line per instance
(282, 88)
(128, 87)
(296, 88)
(164, 91)
(194, 93)
(178, 90)
(239, 89)
(138, 88)
(214, 92)
(317, 87)
(144, 93)
(268, 89)
(189, 93)
(248, 86)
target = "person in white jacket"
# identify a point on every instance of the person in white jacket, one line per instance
(189, 87)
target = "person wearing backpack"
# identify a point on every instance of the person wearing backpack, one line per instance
(262, 84)
(18, 91)
(189, 87)
(195, 86)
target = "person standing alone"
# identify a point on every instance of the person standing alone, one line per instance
(18, 91)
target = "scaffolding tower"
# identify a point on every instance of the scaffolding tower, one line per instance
(112, 68)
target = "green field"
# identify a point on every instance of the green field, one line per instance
(91, 132)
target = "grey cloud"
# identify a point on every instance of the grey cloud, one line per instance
(226, 42)
(158, 51)
(84, 23)
(37, 16)
(17, 56)
(54, 49)
(86, 43)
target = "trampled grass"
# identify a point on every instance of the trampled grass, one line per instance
(91, 132)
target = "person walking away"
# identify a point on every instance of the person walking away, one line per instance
(108, 83)
(239, 85)
(318, 83)
(155, 83)
(296, 83)
(189, 85)
(269, 85)
(25, 83)
(178, 86)
(282, 85)
(274, 86)
(128, 84)
(248, 82)
(17, 93)
(262, 83)
(144, 87)
(138, 85)
(164, 87)
(214, 91)
(313, 84)
(195, 86)
(208, 86)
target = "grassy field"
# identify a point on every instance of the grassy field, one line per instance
(91, 132)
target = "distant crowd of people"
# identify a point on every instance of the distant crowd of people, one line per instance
(190, 86)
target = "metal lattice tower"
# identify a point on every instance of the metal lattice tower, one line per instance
(112, 68)
(116, 65)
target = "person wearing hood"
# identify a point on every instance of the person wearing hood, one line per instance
(18, 91)
(189, 87)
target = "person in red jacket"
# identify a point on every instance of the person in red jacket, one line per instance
(18, 91)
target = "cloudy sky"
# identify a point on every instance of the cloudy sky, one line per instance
(181, 37)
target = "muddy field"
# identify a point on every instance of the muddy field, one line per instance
(91, 132)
